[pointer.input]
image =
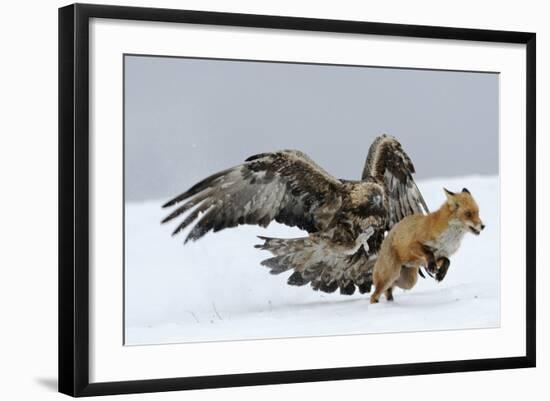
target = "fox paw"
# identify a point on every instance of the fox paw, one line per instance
(442, 271)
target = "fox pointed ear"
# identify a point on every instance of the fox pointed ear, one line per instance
(465, 190)
(451, 198)
(448, 193)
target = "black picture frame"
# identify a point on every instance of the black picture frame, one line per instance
(74, 198)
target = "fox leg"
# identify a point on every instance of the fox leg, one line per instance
(431, 267)
(383, 282)
(379, 290)
(407, 277)
(443, 264)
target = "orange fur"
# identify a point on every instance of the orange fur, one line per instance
(403, 250)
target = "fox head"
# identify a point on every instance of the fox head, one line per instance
(464, 209)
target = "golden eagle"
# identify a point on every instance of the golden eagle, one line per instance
(346, 220)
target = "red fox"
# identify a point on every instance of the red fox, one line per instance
(424, 240)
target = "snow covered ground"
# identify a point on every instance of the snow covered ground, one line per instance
(215, 289)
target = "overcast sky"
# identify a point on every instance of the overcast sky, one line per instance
(188, 118)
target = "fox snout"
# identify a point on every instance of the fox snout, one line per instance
(477, 228)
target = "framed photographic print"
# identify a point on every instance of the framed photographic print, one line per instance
(251, 199)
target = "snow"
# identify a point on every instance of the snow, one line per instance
(215, 289)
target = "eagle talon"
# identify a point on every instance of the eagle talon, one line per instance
(365, 235)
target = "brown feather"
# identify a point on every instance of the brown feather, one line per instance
(346, 220)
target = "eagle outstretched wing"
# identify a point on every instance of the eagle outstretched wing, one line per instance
(285, 186)
(388, 163)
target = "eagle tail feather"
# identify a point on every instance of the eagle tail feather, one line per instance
(312, 264)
